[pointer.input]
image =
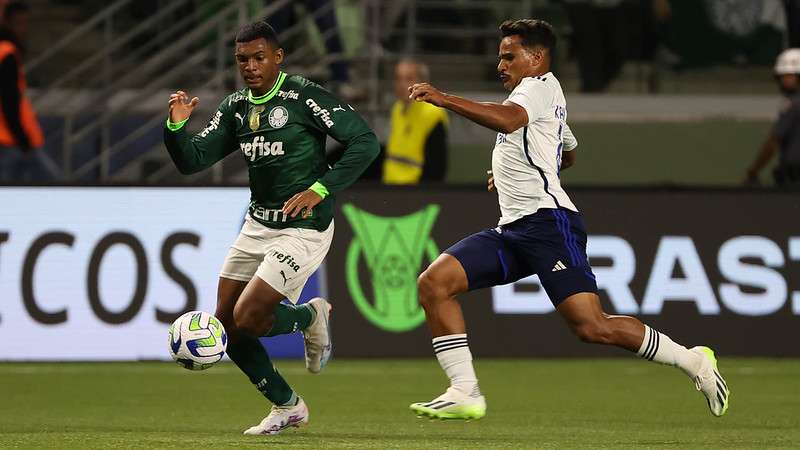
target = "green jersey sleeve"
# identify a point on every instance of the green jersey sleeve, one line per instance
(192, 154)
(340, 121)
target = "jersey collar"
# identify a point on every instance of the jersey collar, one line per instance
(543, 76)
(271, 93)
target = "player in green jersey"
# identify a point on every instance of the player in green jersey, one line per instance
(279, 123)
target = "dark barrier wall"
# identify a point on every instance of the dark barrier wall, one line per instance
(718, 268)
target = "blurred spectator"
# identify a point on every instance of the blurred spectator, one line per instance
(324, 13)
(20, 134)
(792, 10)
(784, 137)
(733, 32)
(417, 147)
(606, 33)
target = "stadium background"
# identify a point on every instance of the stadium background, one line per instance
(110, 243)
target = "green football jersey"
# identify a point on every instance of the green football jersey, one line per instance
(281, 135)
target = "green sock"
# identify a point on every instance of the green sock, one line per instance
(252, 358)
(290, 318)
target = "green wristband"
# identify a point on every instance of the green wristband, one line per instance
(320, 189)
(176, 126)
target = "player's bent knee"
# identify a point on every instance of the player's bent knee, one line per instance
(430, 289)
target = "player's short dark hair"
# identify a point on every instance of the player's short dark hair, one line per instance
(534, 32)
(258, 30)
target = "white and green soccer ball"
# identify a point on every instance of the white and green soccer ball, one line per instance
(197, 340)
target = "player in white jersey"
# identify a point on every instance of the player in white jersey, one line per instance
(540, 232)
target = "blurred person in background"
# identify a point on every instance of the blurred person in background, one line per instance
(792, 11)
(784, 137)
(324, 14)
(607, 33)
(417, 148)
(20, 133)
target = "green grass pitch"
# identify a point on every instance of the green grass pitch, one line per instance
(550, 403)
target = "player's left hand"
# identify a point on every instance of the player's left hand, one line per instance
(301, 203)
(424, 92)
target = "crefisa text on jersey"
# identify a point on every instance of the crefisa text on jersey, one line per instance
(321, 112)
(213, 124)
(259, 147)
(288, 95)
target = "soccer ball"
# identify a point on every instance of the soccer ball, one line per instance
(197, 340)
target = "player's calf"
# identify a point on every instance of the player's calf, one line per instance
(595, 332)
(255, 307)
(251, 321)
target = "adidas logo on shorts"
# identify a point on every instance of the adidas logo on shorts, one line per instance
(559, 266)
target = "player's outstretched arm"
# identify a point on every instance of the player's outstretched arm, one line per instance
(340, 121)
(193, 154)
(505, 118)
(346, 126)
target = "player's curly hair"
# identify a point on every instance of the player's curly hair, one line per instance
(258, 30)
(534, 32)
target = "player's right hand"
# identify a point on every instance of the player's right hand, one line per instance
(424, 92)
(490, 181)
(180, 107)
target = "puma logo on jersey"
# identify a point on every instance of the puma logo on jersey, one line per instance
(320, 112)
(338, 108)
(259, 147)
(285, 279)
(241, 119)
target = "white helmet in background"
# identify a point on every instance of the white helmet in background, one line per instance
(788, 62)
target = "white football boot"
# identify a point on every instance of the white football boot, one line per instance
(710, 382)
(317, 337)
(280, 418)
(453, 404)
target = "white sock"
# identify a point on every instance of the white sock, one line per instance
(455, 358)
(658, 347)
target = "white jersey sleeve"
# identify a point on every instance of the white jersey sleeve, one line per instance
(570, 142)
(534, 96)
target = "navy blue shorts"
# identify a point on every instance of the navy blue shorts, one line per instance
(550, 243)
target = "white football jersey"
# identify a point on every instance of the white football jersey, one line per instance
(525, 163)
